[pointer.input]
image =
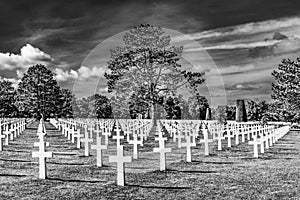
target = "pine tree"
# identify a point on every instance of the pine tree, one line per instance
(286, 89)
(148, 62)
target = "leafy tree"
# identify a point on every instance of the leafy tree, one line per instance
(7, 99)
(65, 104)
(120, 109)
(148, 62)
(183, 109)
(137, 105)
(230, 112)
(38, 92)
(219, 114)
(102, 106)
(257, 110)
(197, 106)
(286, 89)
(169, 107)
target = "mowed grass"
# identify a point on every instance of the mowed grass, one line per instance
(228, 174)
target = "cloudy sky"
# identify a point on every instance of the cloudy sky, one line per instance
(244, 39)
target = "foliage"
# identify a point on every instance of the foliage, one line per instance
(94, 106)
(65, 104)
(197, 106)
(148, 63)
(219, 114)
(286, 89)
(257, 110)
(39, 92)
(7, 100)
(230, 112)
(102, 106)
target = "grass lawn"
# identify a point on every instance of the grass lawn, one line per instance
(228, 174)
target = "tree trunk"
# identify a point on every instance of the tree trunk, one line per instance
(153, 115)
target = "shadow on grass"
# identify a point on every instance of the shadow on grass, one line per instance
(217, 163)
(75, 180)
(13, 175)
(57, 163)
(285, 153)
(264, 158)
(191, 171)
(285, 149)
(6, 160)
(158, 187)
(19, 151)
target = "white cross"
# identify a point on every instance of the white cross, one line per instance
(135, 143)
(42, 162)
(194, 135)
(6, 133)
(255, 144)
(11, 134)
(98, 147)
(91, 130)
(120, 159)
(228, 136)
(73, 131)
(1, 137)
(162, 150)
(206, 141)
(245, 130)
(97, 131)
(179, 137)
(262, 146)
(188, 146)
(76, 134)
(86, 141)
(118, 137)
(42, 155)
(220, 138)
(236, 133)
(106, 134)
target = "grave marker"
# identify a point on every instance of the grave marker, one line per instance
(162, 151)
(99, 147)
(86, 140)
(206, 142)
(120, 159)
(135, 143)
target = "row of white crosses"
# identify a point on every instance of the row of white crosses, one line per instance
(186, 128)
(104, 129)
(10, 129)
(138, 130)
(189, 131)
(42, 154)
(266, 138)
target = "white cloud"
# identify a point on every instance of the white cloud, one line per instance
(62, 75)
(28, 56)
(83, 73)
(233, 69)
(242, 45)
(249, 28)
